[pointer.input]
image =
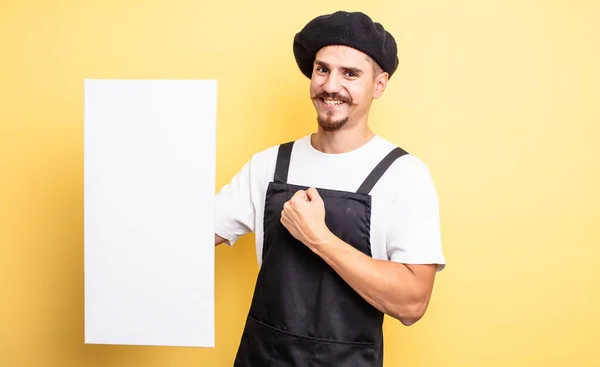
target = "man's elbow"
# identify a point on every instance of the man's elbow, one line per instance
(409, 320)
(409, 314)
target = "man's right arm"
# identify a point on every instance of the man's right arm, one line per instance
(234, 210)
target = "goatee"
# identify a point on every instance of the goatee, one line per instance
(330, 125)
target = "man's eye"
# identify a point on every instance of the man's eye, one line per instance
(322, 69)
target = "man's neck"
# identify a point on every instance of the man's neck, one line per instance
(341, 141)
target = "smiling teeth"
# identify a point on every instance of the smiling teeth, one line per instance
(333, 101)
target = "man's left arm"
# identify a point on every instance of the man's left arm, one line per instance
(400, 287)
(400, 290)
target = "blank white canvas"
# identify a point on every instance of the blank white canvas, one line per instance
(149, 185)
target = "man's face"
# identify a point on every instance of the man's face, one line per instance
(343, 85)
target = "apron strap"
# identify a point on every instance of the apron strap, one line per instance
(379, 170)
(283, 162)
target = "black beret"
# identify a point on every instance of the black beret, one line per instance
(352, 29)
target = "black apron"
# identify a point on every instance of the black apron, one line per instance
(302, 312)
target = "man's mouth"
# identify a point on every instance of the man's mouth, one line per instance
(332, 102)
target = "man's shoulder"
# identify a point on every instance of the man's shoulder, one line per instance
(408, 161)
(408, 169)
(265, 154)
(262, 163)
(268, 154)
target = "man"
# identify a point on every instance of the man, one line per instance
(346, 223)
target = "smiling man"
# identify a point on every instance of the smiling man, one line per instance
(346, 222)
(335, 105)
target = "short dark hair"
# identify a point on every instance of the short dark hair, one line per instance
(377, 69)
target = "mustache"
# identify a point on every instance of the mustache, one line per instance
(337, 96)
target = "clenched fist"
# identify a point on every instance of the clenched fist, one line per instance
(304, 217)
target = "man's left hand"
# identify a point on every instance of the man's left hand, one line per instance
(304, 217)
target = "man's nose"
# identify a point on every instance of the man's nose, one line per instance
(332, 84)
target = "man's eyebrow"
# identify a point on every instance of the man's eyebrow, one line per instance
(345, 68)
(321, 63)
(353, 70)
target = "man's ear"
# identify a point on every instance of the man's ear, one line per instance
(380, 84)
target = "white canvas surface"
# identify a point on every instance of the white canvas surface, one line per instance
(149, 183)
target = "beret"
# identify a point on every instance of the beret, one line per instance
(352, 29)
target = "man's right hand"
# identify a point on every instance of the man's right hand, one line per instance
(219, 240)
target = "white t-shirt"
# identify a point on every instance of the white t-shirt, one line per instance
(405, 225)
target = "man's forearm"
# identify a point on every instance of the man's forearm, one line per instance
(391, 287)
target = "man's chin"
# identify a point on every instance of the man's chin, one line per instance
(331, 125)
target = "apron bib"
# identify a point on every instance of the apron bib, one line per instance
(302, 312)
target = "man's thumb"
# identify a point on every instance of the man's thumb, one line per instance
(313, 194)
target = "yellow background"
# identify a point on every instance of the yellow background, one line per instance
(499, 98)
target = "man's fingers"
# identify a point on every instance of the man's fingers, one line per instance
(301, 194)
(312, 194)
(299, 197)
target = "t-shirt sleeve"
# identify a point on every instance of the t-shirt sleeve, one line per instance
(413, 235)
(234, 209)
